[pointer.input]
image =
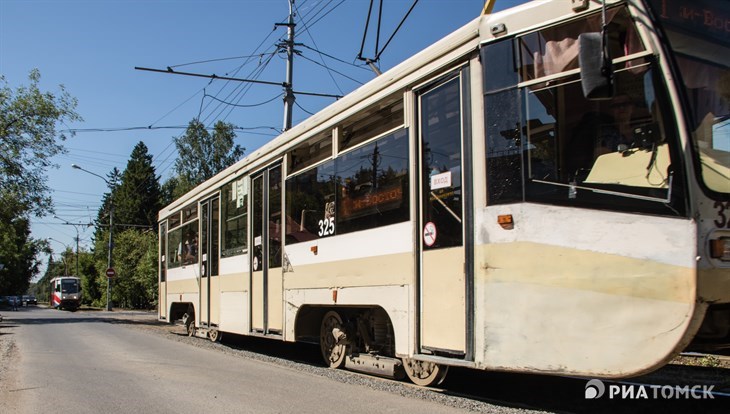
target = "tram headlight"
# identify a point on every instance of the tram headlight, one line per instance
(720, 249)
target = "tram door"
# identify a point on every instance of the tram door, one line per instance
(442, 288)
(266, 270)
(209, 280)
(162, 293)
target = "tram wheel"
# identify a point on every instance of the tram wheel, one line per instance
(214, 335)
(424, 373)
(332, 351)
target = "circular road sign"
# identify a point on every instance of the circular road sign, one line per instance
(110, 272)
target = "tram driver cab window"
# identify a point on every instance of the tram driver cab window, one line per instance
(608, 153)
(547, 143)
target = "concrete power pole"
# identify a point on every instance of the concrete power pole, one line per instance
(289, 97)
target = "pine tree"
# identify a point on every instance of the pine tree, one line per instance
(137, 199)
(102, 218)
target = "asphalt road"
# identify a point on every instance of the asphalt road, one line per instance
(127, 362)
(80, 363)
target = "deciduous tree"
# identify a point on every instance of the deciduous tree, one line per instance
(202, 154)
(29, 139)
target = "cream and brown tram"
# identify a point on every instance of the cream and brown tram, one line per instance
(488, 203)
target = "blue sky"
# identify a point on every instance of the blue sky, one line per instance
(92, 47)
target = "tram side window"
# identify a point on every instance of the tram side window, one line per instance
(188, 248)
(361, 189)
(182, 242)
(311, 152)
(163, 251)
(373, 184)
(502, 114)
(173, 241)
(234, 197)
(371, 122)
(310, 204)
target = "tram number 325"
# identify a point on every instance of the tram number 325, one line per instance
(326, 227)
(723, 215)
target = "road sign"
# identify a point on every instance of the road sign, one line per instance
(110, 272)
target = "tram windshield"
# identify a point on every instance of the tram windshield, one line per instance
(69, 286)
(699, 35)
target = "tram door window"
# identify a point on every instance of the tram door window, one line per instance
(266, 270)
(162, 286)
(209, 286)
(442, 278)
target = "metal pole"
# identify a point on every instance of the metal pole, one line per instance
(111, 233)
(77, 252)
(109, 261)
(289, 97)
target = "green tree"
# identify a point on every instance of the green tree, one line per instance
(102, 218)
(135, 195)
(55, 268)
(17, 249)
(29, 139)
(137, 198)
(135, 258)
(202, 154)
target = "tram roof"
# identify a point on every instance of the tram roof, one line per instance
(430, 61)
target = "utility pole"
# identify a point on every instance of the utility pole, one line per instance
(289, 92)
(110, 263)
(66, 222)
(289, 97)
(111, 235)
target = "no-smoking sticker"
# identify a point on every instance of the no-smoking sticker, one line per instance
(429, 234)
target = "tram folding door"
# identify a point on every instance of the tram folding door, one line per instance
(210, 283)
(266, 270)
(162, 286)
(443, 257)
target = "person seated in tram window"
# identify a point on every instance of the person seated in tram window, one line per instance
(617, 136)
(600, 133)
(187, 251)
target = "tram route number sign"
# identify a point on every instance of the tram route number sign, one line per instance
(110, 272)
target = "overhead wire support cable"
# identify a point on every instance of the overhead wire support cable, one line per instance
(218, 60)
(332, 57)
(213, 76)
(240, 105)
(332, 70)
(329, 72)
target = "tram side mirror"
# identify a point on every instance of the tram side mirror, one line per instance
(596, 76)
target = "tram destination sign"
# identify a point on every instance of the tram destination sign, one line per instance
(705, 17)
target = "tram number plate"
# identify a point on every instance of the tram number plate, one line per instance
(723, 214)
